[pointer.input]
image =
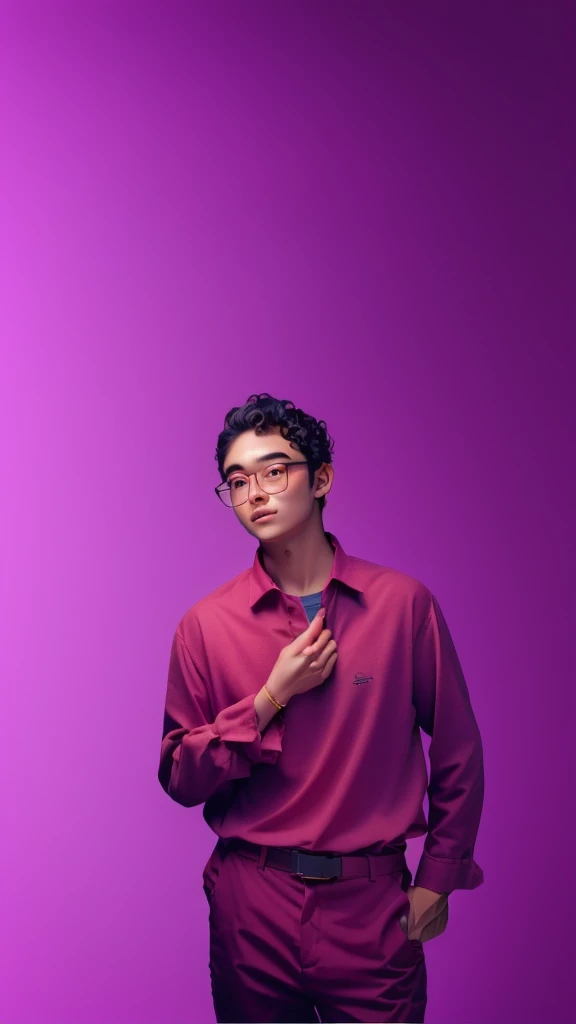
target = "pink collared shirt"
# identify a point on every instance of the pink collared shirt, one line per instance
(342, 768)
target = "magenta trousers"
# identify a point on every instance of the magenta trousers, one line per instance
(287, 950)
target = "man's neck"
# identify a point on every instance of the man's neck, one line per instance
(300, 564)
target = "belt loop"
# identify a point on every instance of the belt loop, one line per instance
(370, 860)
(262, 858)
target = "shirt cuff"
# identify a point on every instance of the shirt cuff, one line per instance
(238, 724)
(442, 875)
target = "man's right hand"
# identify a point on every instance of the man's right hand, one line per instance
(305, 663)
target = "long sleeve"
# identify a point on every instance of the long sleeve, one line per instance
(456, 786)
(200, 754)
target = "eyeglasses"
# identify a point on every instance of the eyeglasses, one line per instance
(273, 479)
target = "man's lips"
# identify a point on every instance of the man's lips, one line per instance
(256, 517)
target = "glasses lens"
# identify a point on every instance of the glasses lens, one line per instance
(272, 480)
(224, 493)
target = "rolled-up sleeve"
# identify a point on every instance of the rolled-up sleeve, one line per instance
(199, 753)
(456, 785)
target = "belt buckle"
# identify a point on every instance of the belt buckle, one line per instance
(299, 866)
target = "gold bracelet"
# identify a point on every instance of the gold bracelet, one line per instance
(275, 702)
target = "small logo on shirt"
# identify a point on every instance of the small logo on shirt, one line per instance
(360, 678)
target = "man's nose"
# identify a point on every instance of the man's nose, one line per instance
(256, 490)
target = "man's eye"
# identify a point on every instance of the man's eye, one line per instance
(234, 482)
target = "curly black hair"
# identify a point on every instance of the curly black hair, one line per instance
(260, 412)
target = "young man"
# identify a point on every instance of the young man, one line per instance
(296, 695)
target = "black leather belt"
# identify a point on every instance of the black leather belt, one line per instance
(321, 866)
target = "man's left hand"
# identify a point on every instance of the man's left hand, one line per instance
(428, 915)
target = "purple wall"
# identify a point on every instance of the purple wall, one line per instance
(364, 208)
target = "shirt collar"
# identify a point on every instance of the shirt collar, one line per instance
(344, 570)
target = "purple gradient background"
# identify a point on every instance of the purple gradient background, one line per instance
(365, 208)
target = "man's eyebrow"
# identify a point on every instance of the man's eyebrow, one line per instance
(261, 458)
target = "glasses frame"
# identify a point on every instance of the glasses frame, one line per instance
(224, 486)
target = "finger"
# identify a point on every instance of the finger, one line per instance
(329, 666)
(318, 646)
(312, 632)
(431, 931)
(321, 658)
(325, 642)
(430, 924)
(411, 913)
(316, 623)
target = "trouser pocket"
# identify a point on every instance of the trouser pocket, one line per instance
(402, 880)
(211, 872)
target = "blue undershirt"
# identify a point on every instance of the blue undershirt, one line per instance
(311, 604)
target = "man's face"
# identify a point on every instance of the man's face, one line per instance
(290, 507)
